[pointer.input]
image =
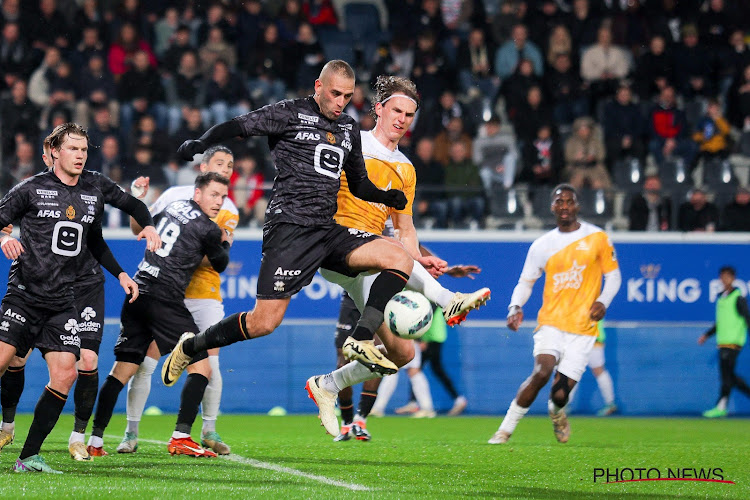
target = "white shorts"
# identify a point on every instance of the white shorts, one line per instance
(205, 312)
(570, 350)
(596, 356)
(357, 287)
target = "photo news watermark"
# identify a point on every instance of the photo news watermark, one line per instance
(636, 474)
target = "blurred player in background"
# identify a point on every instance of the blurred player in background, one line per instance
(603, 378)
(573, 257)
(396, 105)
(203, 300)
(188, 236)
(88, 291)
(732, 319)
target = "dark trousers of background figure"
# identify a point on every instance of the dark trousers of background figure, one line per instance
(729, 379)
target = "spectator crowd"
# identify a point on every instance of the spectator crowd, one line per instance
(644, 105)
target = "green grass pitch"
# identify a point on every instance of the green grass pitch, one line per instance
(291, 457)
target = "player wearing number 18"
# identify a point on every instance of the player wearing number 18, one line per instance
(187, 234)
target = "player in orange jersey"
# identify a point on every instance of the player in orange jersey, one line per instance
(574, 258)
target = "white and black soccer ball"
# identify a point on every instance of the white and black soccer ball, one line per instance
(408, 314)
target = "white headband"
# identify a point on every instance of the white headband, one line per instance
(382, 103)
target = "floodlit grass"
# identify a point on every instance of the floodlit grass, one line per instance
(291, 457)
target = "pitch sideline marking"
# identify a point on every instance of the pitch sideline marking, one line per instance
(274, 467)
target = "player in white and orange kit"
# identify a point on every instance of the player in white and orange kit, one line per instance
(203, 300)
(574, 257)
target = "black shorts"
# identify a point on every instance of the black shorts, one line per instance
(26, 326)
(149, 319)
(348, 317)
(292, 254)
(89, 302)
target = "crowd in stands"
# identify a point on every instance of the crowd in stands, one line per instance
(644, 105)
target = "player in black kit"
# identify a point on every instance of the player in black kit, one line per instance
(187, 234)
(60, 215)
(88, 291)
(311, 141)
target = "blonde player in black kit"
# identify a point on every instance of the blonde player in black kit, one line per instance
(60, 214)
(311, 142)
(188, 234)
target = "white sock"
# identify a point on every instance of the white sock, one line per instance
(139, 388)
(722, 404)
(133, 426)
(9, 426)
(180, 435)
(385, 391)
(421, 281)
(552, 407)
(208, 426)
(212, 396)
(96, 441)
(514, 415)
(421, 388)
(76, 437)
(350, 374)
(606, 387)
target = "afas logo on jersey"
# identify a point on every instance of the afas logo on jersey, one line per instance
(55, 214)
(307, 136)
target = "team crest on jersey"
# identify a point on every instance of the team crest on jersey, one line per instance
(70, 212)
(331, 138)
(572, 278)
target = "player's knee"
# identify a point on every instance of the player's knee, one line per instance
(541, 375)
(88, 361)
(62, 378)
(403, 354)
(561, 390)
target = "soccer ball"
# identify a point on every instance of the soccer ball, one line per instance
(408, 314)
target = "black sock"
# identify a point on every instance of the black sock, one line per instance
(192, 395)
(227, 331)
(84, 398)
(46, 413)
(347, 410)
(11, 388)
(366, 400)
(385, 286)
(108, 395)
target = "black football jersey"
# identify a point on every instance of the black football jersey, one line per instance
(89, 270)
(187, 234)
(309, 152)
(55, 220)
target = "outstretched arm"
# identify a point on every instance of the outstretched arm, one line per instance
(214, 135)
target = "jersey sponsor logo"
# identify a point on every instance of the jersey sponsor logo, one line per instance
(287, 272)
(148, 268)
(88, 198)
(572, 278)
(66, 238)
(48, 204)
(330, 138)
(10, 313)
(70, 212)
(346, 145)
(583, 246)
(46, 194)
(183, 211)
(308, 119)
(328, 160)
(89, 326)
(87, 219)
(4, 326)
(345, 126)
(278, 286)
(54, 214)
(307, 136)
